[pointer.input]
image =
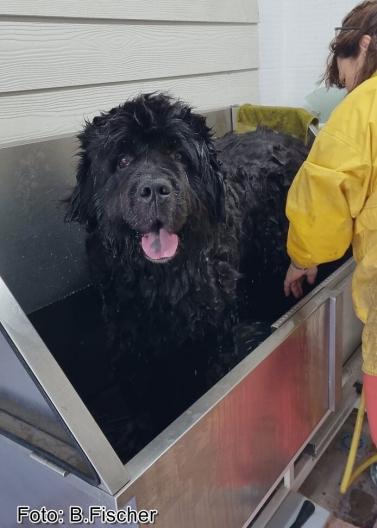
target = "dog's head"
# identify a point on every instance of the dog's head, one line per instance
(148, 169)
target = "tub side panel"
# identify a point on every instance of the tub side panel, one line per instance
(217, 473)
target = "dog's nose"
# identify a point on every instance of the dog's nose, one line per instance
(158, 189)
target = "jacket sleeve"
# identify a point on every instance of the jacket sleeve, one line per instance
(326, 195)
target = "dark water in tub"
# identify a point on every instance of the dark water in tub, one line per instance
(73, 330)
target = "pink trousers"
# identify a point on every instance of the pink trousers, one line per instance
(370, 390)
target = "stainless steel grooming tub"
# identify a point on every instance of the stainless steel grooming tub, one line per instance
(227, 461)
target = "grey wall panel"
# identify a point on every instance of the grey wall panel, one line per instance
(41, 257)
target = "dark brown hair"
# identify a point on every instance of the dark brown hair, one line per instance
(363, 17)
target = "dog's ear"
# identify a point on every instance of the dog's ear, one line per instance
(213, 184)
(78, 202)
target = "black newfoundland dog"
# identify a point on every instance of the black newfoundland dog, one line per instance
(176, 221)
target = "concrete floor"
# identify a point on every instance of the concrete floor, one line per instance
(358, 506)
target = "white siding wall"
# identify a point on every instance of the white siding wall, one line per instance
(294, 39)
(61, 62)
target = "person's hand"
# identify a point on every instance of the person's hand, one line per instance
(295, 277)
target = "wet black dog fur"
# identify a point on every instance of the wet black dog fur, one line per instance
(224, 199)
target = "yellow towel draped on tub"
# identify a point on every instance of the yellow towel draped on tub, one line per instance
(292, 121)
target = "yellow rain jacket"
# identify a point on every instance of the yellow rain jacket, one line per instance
(333, 202)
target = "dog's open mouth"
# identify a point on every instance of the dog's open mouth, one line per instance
(160, 246)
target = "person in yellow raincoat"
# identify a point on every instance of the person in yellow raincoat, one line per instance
(333, 199)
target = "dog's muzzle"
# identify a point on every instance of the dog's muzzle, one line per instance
(158, 245)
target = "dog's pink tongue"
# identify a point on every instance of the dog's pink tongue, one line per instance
(160, 245)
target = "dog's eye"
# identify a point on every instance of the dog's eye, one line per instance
(177, 156)
(123, 162)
